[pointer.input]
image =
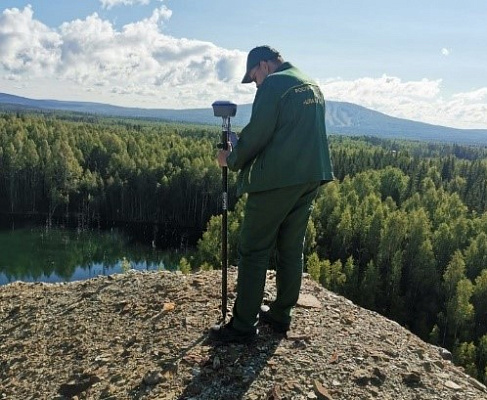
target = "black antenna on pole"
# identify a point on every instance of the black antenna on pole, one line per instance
(224, 109)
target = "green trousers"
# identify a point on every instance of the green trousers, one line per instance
(273, 219)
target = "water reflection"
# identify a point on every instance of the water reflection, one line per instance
(62, 255)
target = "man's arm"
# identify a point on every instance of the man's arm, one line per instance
(257, 133)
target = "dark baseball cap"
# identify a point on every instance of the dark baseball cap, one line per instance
(256, 55)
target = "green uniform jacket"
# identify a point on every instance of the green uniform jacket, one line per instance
(285, 142)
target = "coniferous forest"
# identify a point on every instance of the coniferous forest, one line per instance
(402, 231)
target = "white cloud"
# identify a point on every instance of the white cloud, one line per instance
(26, 45)
(474, 96)
(445, 51)
(112, 3)
(138, 62)
(421, 100)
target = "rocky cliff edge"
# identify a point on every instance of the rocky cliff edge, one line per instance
(143, 335)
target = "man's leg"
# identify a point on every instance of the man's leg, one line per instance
(267, 215)
(290, 242)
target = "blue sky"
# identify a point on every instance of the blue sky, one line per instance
(421, 60)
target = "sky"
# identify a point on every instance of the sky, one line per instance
(421, 60)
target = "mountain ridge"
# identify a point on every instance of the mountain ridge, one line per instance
(341, 118)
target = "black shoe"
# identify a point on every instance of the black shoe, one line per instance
(228, 334)
(266, 318)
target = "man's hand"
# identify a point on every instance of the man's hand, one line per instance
(223, 154)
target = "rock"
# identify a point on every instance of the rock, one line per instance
(168, 306)
(274, 393)
(308, 301)
(452, 385)
(378, 377)
(78, 386)
(143, 335)
(476, 384)
(153, 378)
(445, 354)
(412, 378)
(216, 362)
(320, 391)
(361, 377)
(428, 366)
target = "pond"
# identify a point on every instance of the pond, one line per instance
(63, 255)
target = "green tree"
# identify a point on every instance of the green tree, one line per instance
(331, 275)
(444, 245)
(209, 246)
(464, 355)
(184, 265)
(482, 357)
(393, 183)
(479, 300)
(369, 286)
(455, 302)
(476, 255)
(313, 267)
(390, 262)
(419, 273)
(459, 309)
(454, 273)
(351, 284)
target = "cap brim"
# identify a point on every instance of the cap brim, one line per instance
(246, 78)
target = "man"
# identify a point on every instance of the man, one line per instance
(282, 157)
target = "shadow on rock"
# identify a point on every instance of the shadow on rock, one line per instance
(228, 370)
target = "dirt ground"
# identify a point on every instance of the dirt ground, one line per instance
(143, 335)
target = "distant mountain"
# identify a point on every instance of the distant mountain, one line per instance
(341, 118)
